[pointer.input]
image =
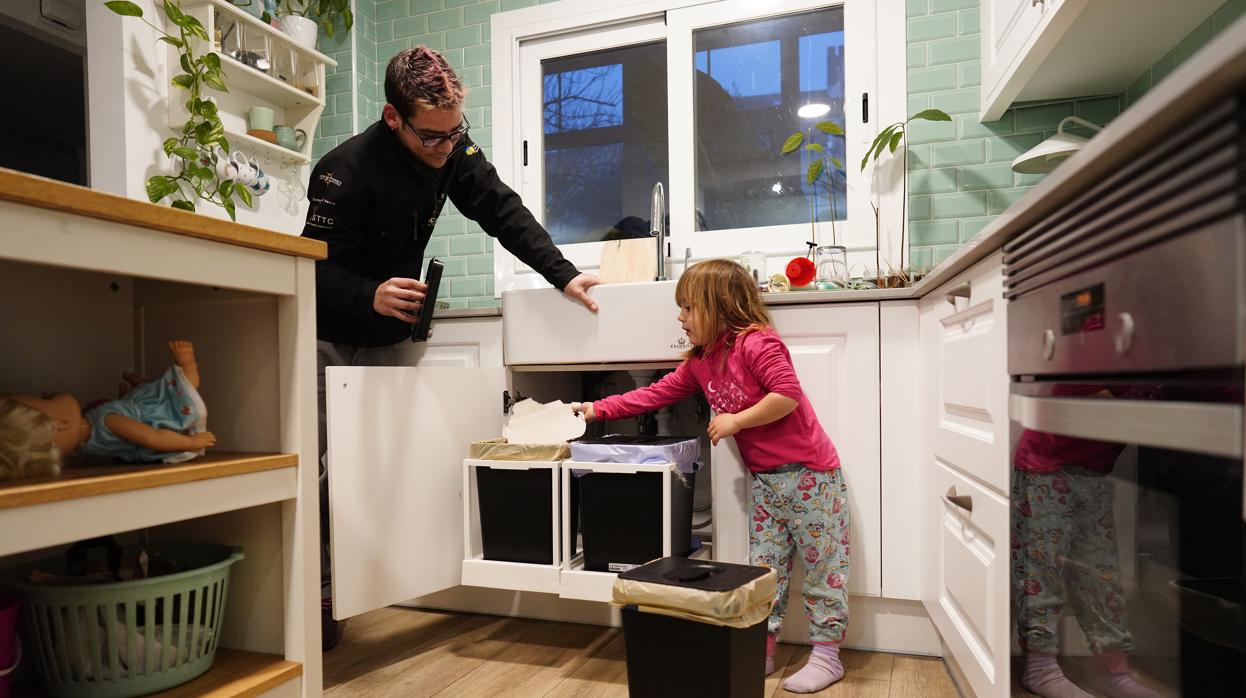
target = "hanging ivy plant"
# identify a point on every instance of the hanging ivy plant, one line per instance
(195, 149)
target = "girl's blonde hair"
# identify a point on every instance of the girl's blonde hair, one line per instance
(724, 298)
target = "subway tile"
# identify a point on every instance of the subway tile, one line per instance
(1165, 65)
(933, 232)
(921, 257)
(994, 176)
(480, 266)
(966, 101)
(479, 14)
(488, 121)
(454, 57)
(384, 32)
(365, 9)
(969, 74)
(454, 303)
(1007, 148)
(410, 26)
(953, 50)
(469, 76)
(486, 71)
(915, 56)
(476, 55)
(1195, 40)
(963, 205)
(484, 302)
(392, 9)
(335, 125)
(970, 22)
(932, 79)
(941, 181)
(968, 126)
(927, 28)
(436, 41)
(951, 5)
(447, 19)
(918, 102)
(437, 247)
(451, 224)
(1043, 117)
(1098, 111)
(508, 5)
(970, 227)
(920, 157)
(477, 98)
(460, 38)
(1001, 199)
(971, 152)
(388, 49)
(468, 285)
(1228, 13)
(931, 131)
(426, 6)
(455, 266)
(942, 252)
(477, 118)
(337, 83)
(458, 3)
(919, 208)
(916, 8)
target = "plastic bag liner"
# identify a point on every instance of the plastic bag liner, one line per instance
(716, 593)
(499, 449)
(683, 451)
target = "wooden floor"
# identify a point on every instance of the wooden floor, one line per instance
(405, 652)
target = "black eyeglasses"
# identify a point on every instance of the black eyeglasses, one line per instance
(432, 141)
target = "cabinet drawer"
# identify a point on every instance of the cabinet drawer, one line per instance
(972, 592)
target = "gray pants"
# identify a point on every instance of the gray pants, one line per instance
(336, 354)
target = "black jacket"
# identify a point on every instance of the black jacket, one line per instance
(375, 206)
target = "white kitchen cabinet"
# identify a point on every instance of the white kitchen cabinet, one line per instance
(964, 451)
(1055, 49)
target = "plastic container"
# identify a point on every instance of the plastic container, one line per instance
(800, 271)
(702, 653)
(621, 513)
(129, 638)
(516, 506)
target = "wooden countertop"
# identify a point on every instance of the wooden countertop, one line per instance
(47, 193)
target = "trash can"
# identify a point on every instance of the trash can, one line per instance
(695, 628)
(516, 508)
(621, 513)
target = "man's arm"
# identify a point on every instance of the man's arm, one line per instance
(339, 207)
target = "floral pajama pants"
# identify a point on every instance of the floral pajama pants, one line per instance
(804, 512)
(1064, 551)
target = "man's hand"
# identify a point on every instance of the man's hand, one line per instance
(577, 290)
(722, 426)
(586, 409)
(400, 298)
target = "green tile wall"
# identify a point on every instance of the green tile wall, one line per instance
(1228, 13)
(960, 172)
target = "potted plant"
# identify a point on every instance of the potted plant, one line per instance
(890, 138)
(299, 18)
(822, 169)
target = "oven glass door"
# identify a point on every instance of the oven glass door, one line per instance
(1128, 537)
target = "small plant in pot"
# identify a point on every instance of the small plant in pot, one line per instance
(300, 19)
(823, 170)
(892, 137)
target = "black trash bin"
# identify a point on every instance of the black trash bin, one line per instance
(717, 645)
(621, 519)
(516, 514)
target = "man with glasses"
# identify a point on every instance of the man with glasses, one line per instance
(375, 200)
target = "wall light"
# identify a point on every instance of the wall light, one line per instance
(1045, 156)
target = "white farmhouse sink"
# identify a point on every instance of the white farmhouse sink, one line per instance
(634, 322)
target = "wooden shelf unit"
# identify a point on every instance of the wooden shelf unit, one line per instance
(238, 674)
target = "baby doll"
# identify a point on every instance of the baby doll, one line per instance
(160, 420)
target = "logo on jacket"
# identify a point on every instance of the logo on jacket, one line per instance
(328, 178)
(472, 149)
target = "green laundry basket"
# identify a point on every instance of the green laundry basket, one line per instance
(127, 638)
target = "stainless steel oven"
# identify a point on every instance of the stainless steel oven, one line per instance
(1127, 318)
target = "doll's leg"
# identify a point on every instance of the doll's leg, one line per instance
(770, 545)
(820, 529)
(184, 356)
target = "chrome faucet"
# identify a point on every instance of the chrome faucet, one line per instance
(657, 228)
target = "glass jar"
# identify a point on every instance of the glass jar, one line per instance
(832, 261)
(755, 265)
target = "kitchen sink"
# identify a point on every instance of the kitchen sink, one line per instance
(635, 322)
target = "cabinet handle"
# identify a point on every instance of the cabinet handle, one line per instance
(963, 501)
(961, 291)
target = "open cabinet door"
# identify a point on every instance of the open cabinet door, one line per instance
(397, 439)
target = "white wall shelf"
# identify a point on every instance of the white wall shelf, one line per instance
(263, 149)
(277, 92)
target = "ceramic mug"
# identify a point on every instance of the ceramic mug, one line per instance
(290, 137)
(260, 119)
(238, 167)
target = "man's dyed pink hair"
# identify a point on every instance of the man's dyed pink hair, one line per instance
(419, 78)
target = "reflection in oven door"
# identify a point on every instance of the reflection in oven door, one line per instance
(1128, 572)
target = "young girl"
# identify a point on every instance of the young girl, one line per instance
(800, 502)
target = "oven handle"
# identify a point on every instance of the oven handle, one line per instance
(1202, 427)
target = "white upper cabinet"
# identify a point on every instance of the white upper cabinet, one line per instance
(1054, 49)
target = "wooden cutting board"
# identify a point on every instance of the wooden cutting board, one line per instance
(635, 259)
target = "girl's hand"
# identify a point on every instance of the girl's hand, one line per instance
(586, 409)
(204, 439)
(722, 426)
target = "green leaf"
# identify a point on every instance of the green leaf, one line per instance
(793, 142)
(184, 205)
(125, 8)
(159, 187)
(224, 143)
(243, 193)
(266, 18)
(207, 132)
(328, 27)
(186, 153)
(172, 40)
(836, 162)
(183, 81)
(213, 62)
(215, 83)
(931, 115)
(829, 127)
(815, 170)
(169, 145)
(193, 26)
(895, 140)
(186, 64)
(228, 204)
(173, 12)
(348, 18)
(816, 147)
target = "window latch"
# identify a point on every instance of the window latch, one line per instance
(865, 108)
(525, 153)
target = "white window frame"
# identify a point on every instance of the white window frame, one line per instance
(579, 20)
